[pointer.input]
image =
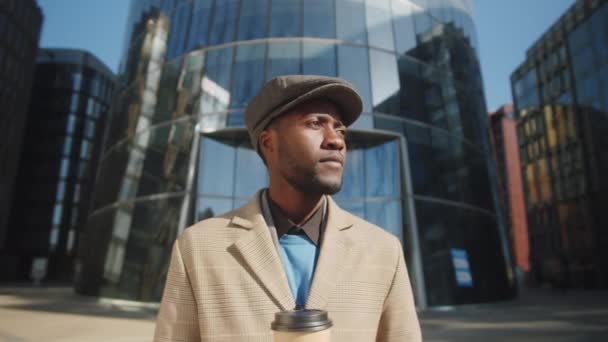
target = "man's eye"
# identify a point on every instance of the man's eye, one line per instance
(315, 123)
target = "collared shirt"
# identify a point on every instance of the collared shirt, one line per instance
(312, 227)
(299, 252)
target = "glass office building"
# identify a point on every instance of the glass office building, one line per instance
(70, 97)
(20, 23)
(562, 108)
(176, 150)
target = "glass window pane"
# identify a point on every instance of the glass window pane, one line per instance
(350, 21)
(382, 175)
(319, 59)
(251, 174)
(60, 191)
(354, 176)
(179, 25)
(65, 168)
(379, 24)
(385, 82)
(216, 168)
(319, 19)
(283, 59)
(85, 149)
(57, 213)
(207, 207)
(248, 73)
(224, 22)
(422, 21)
(285, 18)
(71, 124)
(199, 27)
(356, 208)
(67, 146)
(403, 19)
(353, 66)
(385, 214)
(216, 82)
(253, 19)
(89, 129)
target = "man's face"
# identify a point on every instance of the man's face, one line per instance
(310, 147)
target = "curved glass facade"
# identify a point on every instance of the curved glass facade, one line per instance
(177, 150)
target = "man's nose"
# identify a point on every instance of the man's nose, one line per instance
(333, 140)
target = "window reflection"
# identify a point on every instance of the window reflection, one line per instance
(319, 59)
(207, 207)
(223, 26)
(382, 178)
(283, 59)
(216, 82)
(353, 66)
(385, 82)
(354, 176)
(253, 19)
(385, 214)
(251, 173)
(216, 177)
(248, 73)
(179, 26)
(198, 33)
(379, 24)
(285, 18)
(319, 19)
(350, 21)
(403, 20)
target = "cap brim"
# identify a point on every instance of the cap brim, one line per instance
(346, 98)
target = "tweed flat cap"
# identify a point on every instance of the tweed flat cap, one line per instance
(283, 93)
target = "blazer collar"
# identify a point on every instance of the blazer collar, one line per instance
(256, 251)
(335, 247)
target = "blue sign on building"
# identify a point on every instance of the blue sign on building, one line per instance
(462, 269)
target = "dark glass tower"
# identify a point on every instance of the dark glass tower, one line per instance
(177, 150)
(70, 97)
(20, 23)
(562, 108)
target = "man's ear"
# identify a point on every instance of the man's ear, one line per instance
(267, 142)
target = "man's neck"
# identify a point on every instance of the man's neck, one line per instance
(295, 205)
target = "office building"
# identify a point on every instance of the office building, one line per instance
(70, 97)
(562, 111)
(419, 163)
(503, 135)
(20, 23)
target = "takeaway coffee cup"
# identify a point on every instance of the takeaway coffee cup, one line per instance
(301, 326)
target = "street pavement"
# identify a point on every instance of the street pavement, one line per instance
(57, 314)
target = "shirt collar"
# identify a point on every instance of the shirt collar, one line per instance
(312, 227)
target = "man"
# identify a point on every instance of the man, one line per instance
(291, 246)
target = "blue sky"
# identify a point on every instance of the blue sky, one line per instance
(506, 28)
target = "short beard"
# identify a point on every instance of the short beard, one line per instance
(309, 182)
(306, 181)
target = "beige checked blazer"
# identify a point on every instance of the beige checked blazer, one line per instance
(226, 281)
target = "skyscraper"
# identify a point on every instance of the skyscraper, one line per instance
(503, 134)
(177, 150)
(70, 97)
(20, 23)
(561, 105)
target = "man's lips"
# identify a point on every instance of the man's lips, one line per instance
(333, 159)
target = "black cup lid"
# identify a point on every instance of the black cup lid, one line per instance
(301, 321)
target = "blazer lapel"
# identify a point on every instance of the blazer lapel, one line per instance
(334, 249)
(257, 253)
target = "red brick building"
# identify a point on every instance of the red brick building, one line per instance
(503, 133)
